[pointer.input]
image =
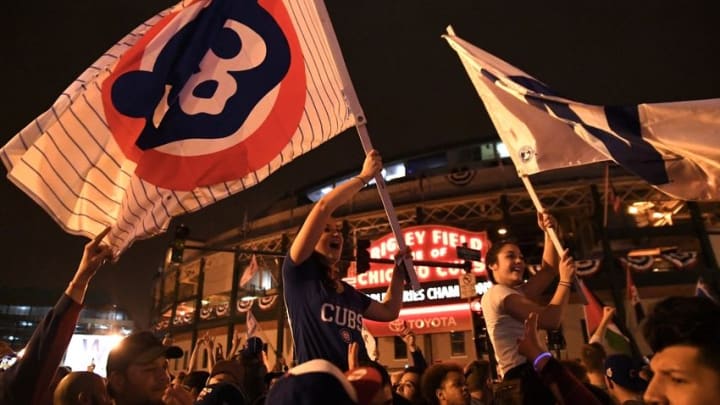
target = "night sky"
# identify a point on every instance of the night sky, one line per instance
(412, 86)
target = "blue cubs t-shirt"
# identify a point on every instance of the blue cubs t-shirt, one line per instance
(323, 322)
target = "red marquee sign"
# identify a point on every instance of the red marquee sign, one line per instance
(428, 242)
(430, 319)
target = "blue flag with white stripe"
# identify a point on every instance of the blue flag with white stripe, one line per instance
(673, 146)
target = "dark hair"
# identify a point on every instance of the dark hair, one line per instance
(410, 369)
(476, 375)
(384, 375)
(322, 264)
(196, 379)
(491, 257)
(593, 357)
(253, 383)
(576, 369)
(433, 378)
(691, 321)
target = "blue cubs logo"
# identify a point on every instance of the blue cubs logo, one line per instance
(345, 335)
(203, 100)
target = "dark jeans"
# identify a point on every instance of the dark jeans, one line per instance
(533, 389)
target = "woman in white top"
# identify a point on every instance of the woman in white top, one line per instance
(510, 300)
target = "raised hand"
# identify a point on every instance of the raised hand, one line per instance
(529, 345)
(371, 166)
(546, 220)
(95, 255)
(353, 361)
(567, 267)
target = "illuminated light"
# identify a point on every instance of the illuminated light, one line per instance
(115, 340)
(632, 210)
(428, 242)
(205, 302)
(21, 353)
(502, 231)
(435, 309)
(658, 215)
(475, 305)
(502, 150)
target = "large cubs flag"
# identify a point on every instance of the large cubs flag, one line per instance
(204, 100)
(673, 146)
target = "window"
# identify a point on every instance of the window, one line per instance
(457, 343)
(502, 150)
(262, 280)
(400, 348)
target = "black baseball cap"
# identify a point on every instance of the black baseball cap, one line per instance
(139, 348)
(624, 371)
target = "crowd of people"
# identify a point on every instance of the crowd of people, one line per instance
(332, 365)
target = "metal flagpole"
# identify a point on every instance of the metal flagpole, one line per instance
(361, 126)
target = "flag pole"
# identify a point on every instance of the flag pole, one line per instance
(607, 194)
(551, 231)
(361, 126)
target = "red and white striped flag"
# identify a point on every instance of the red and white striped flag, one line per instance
(250, 271)
(204, 100)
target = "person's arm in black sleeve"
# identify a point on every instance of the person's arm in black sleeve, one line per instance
(417, 360)
(28, 380)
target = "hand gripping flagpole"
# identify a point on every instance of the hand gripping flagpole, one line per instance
(551, 231)
(361, 126)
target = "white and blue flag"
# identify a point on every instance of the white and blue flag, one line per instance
(673, 146)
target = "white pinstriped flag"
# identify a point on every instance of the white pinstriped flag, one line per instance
(204, 100)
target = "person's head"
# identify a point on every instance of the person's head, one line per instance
(254, 346)
(576, 369)
(81, 388)
(221, 394)
(684, 332)
(271, 378)
(408, 386)
(476, 375)
(622, 377)
(137, 369)
(195, 381)
(313, 382)
(227, 371)
(593, 357)
(330, 243)
(372, 384)
(444, 384)
(505, 263)
(247, 371)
